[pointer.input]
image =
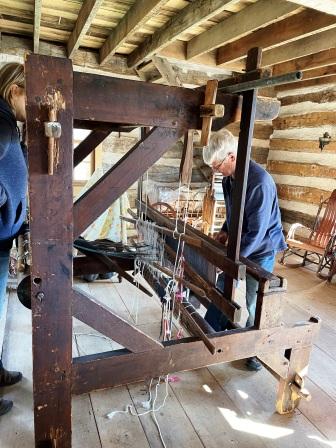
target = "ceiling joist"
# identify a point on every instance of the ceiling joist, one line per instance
(328, 6)
(86, 15)
(133, 20)
(37, 24)
(302, 47)
(295, 27)
(260, 14)
(192, 15)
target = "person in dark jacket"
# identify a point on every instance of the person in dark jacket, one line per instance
(262, 233)
(13, 185)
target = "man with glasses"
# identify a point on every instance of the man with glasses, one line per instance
(262, 235)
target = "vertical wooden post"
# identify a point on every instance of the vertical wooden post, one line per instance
(287, 399)
(51, 234)
(242, 166)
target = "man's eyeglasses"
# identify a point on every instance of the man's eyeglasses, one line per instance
(215, 165)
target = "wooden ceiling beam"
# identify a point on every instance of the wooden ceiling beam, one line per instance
(37, 24)
(86, 15)
(328, 6)
(134, 19)
(302, 47)
(295, 27)
(315, 60)
(14, 49)
(260, 14)
(316, 82)
(192, 15)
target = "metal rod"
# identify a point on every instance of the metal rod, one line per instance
(263, 82)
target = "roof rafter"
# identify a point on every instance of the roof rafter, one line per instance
(134, 19)
(86, 15)
(328, 6)
(37, 24)
(295, 27)
(302, 47)
(192, 15)
(260, 14)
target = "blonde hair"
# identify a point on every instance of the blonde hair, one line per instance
(221, 144)
(12, 73)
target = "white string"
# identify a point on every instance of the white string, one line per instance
(130, 408)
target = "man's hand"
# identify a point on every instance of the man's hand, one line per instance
(222, 237)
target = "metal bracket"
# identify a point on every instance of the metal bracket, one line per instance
(53, 129)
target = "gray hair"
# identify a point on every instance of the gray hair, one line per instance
(221, 144)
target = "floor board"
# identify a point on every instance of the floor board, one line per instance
(222, 405)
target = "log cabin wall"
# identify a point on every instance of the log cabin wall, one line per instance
(261, 140)
(303, 173)
(163, 175)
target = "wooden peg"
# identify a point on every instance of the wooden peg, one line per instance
(209, 100)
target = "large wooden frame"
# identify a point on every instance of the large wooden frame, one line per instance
(103, 103)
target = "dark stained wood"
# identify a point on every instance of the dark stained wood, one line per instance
(242, 166)
(87, 265)
(165, 106)
(51, 236)
(116, 100)
(208, 251)
(122, 175)
(95, 138)
(95, 314)
(119, 367)
(212, 294)
(113, 266)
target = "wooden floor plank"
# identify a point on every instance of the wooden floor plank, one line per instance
(123, 430)
(320, 411)
(206, 405)
(228, 406)
(176, 429)
(16, 427)
(147, 309)
(322, 371)
(255, 395)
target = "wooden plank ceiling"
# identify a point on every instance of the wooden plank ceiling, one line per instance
(181, 40)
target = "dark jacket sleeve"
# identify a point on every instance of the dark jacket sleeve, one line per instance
(6, 132)
(6, 135)
(225, 227)
(258, 209)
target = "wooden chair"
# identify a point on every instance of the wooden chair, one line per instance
(321, 241)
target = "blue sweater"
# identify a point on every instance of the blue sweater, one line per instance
(262, 229)
(13, 177)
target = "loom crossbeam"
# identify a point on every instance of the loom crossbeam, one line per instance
(56, 222)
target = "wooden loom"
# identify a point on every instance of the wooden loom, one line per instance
(105, 104)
